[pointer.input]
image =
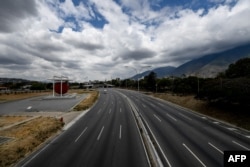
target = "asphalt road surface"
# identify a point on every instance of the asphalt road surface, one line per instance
(187, 138)
(40, 103)
(107, 136)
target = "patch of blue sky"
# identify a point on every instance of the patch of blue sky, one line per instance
(98, 22)
(75, 2)
(59, 30)
(189, 4)
(73, 23)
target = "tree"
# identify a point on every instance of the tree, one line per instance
(151, 81)
(240, 69)
(38, 86)
(164, 84)
(234, 89)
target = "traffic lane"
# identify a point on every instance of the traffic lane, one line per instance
(204, 150)
(175, 113)
(40, 104)
(188, 132)
(66, 150)
(215, 130)
(173, 141)
(113, 148)
(204, 137)
(183, 142)
(130, 150)
(90, 142)
(129, 135)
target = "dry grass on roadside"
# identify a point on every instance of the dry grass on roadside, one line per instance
(8, 120)
(237, 118)
(88, 101)
(26, 137)
(18, 96)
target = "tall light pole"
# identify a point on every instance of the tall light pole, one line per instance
(137, 78)
(137, 72)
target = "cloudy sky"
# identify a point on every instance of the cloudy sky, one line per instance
(96, 39)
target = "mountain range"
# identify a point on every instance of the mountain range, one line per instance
(204, 66)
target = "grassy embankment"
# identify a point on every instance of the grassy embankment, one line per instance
(88, 101)
(25, 138)
(235, 117)
(17, 96)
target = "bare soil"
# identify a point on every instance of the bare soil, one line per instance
(19, 96)
(25, 138)
(235, 117)
(8, 120)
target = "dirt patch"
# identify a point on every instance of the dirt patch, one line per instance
(88, 101)
(26, 137)
(236, 118)
(8, 120)
(19, 96)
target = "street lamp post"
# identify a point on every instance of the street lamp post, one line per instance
(138, 79)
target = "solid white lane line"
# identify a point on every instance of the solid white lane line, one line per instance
(171, 117)
(120, 135)
(240, 145)
(81, 134)
(215, 148)
(157, 118)
(193, 154)
(185, 116)
(100, 134)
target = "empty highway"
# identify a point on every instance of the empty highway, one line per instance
(107, 135)
(186, 138)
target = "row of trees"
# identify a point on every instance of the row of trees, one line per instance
(230, 87)
(32, 85)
